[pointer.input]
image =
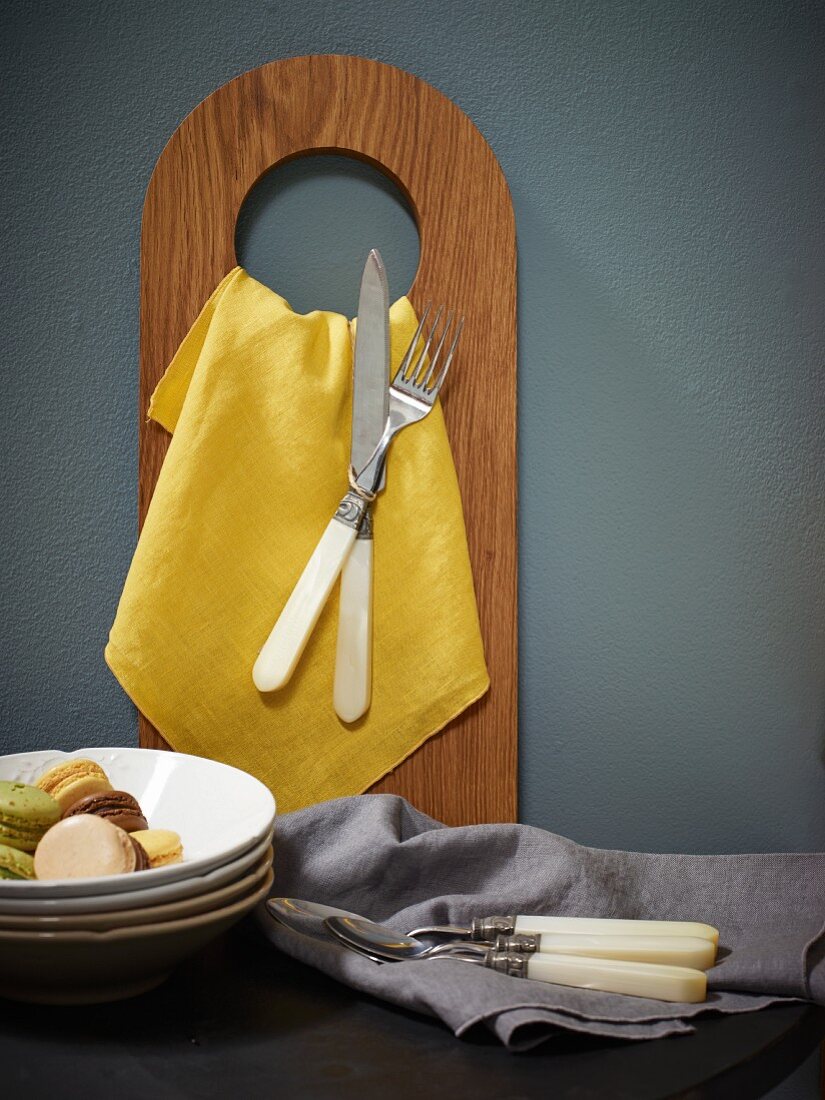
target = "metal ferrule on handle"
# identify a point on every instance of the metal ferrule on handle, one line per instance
(352, 510)
(490, 928)
(518, 945)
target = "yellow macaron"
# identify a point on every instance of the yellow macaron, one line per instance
(72, 780)
(162, 846)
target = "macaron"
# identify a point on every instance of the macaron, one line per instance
(25, 815)
(162, 846)
(15, 864)
(84, 846)
(119, 807)
(73, 779)
(141, 859)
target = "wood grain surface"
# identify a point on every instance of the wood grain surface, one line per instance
(433, 152)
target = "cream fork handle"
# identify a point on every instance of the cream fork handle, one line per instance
(353, 654)
(281, 651)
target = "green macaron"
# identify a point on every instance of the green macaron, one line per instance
(15, 864)
(25, 815)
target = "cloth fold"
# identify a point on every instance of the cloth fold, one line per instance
(259, 400)
(381, 858)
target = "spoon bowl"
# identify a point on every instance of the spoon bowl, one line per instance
(291, 911)
(378, 942)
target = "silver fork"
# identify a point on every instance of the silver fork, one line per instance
(412, 394)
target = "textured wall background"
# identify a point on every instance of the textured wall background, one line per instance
(665, 163)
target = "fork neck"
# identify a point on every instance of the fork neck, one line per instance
(369, 477)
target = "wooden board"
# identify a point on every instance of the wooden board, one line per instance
(421, 140)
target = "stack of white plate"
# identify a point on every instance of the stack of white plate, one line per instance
(97, 939)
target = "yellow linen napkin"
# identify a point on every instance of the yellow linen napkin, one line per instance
(259, 401)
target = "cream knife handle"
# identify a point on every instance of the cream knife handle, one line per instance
(610, 926)
(277, 660)
(353, 655)
(635, 979)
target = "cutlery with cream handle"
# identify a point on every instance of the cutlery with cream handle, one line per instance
(352, 686)
(636, 979)
(485, 928)
(412, 394)
(675, 943)
(690, 951)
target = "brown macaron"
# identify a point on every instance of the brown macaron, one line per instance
(118, 807)
(141, 858)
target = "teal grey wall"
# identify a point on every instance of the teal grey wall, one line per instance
(665, 165)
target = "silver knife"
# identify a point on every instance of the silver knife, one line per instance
(283, 648)
(370, 401)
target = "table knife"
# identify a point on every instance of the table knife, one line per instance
(282, 650)
(370, 401)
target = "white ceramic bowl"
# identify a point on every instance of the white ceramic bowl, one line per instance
(218, 898)
(90, 967)
(156, 895)
(220, 812)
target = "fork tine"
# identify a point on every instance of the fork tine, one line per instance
(436, 386)
(420, 361)
(400, 374)
(425, 381)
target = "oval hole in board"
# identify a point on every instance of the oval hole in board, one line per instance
(306, 228)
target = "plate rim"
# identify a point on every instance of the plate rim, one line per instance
(64, 888)
(51, 921)
(141, 931)
(125, 899)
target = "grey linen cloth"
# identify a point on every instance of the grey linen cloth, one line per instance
(377, 856)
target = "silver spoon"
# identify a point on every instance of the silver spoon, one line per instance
(292, 913)
(379, 942)
(289, 911)
(651, 980)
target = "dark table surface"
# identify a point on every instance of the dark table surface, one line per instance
(242, 1020)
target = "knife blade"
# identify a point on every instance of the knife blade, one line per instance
(370, 377)
(370, 405)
